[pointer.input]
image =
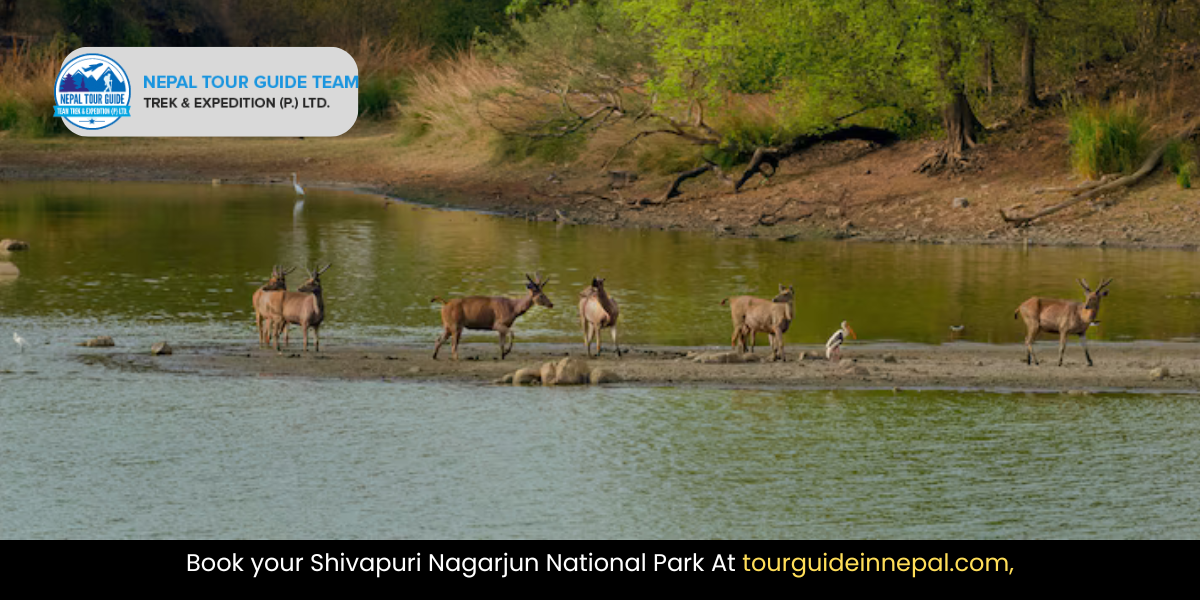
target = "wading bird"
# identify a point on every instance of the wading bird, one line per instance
(19, 340)
(834, 346)
(299, 190)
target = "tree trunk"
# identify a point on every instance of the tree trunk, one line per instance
(960, 123)
(989, 70)
(1029, 98)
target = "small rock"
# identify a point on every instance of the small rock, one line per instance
(100, 342)
(723, 229)
(526, 377)
(508, 378)
(415, 370)
(960, 203)
(1160, 373)
(572, 371)
(13, 245)
(161, 348)
(602, 376)
(547, 374)
(889, 358)
(1102, 242)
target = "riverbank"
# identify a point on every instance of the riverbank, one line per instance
(1120, 367)
(848, 190)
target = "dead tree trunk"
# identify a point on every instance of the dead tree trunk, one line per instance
(1029, 97)
(961, 124)
(770, 156)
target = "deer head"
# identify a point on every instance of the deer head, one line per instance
(313, 284)
(535, 287)
(1091, 303)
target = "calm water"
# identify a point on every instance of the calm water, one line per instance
(88, 451)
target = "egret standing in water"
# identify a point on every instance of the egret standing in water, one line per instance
(834, 346)
(20, 341)
(299, 207)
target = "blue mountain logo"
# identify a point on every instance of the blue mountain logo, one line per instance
(97, 77)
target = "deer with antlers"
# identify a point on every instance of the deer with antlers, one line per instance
(496, 313)
(275, 283)
(597, 310)
(1062, 317)
(753, 315)
(304, 307)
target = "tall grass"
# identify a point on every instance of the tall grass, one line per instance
(451, 102)
(385, 71)
(27, 83)
(1180, 159)
(1108, 139)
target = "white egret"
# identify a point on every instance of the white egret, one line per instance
(833, 347)
(19, 340)
(299, 190)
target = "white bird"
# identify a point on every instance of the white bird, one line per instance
(19, 340)
(834, 346)
(299, 190)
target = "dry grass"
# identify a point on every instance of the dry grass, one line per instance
(27, 81)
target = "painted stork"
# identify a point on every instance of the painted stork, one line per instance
(833, 348)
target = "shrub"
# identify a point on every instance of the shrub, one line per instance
(1180, 158)
(1106, 139)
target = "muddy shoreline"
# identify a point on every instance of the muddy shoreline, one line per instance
(1120, 367)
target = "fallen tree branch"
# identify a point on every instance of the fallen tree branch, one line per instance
(1147, 167)
(1083, 187)
(772, 155)
(684, 176)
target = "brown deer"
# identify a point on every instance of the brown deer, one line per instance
(304, 307)
(496, 313)
(597, 310)
(276, 282)
(1062, 317)
(753, 315)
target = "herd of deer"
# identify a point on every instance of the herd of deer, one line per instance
(275, 308)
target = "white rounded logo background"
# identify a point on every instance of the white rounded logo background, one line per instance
(87, 74)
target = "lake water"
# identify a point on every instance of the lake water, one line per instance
(89, 451)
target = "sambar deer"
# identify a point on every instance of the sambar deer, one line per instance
(1062, 317)
(496, 313)
(753, 315)
(597, 310)
(278, 281)
(304, 307)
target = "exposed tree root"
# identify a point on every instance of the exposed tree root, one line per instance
(1083, 187)
(1147, 167)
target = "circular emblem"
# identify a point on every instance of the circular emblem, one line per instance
(92, 92)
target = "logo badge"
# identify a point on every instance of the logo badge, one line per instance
(92, 92)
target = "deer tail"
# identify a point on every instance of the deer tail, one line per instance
(1017, 313)
(437, 299)
(724, 301)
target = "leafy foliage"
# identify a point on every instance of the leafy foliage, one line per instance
(1106, 139)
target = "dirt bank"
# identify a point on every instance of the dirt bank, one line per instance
(1119, 367)
(848, 190)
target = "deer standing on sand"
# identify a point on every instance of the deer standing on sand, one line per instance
(496, 313)
(597, 310)
(1062, 317)
(304, 307)
(753, 315)
(275, 283)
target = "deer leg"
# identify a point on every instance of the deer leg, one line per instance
(1062, 346)
(1030, 357)
(753, 338)
(597, 331)
(441, 338)
(512, 339)
(317, 334)
(502, 351)
(504, 333)
(779, 342)
(454, 343)
(615, 344)
(737, 334)
(1083, 342)
(587, 335)
(305, 328)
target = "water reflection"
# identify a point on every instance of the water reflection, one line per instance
(138, 251)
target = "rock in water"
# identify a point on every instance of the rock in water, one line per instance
(13, 245)
(572, 371)
(161, 348)
(526, 377)
(1160, 373)
(548, 374)
(602, 376)
(100, 342)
